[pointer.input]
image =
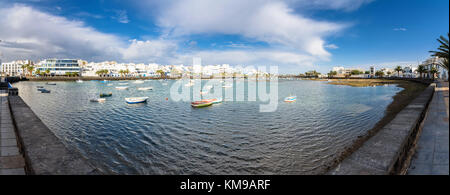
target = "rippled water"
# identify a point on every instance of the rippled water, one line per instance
(167, 137)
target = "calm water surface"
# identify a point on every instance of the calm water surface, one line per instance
(168, 137)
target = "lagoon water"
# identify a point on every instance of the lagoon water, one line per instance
(169, 137)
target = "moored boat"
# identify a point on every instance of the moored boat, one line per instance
(138, 82)
(45, 91)
(201, 104)
(145, 88)
(121, 88)
(102, 95)
(98, 100)
(79, 81)
(51, 83)
(136, 100)
(290, 99)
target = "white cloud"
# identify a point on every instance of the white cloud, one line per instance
(160, 51)
(400, 29)
(272, 22)
(28, 33)
(346, 5)
(331, 46)
(122, 17)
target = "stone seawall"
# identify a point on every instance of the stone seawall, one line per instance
(386, 152)
(44, 153)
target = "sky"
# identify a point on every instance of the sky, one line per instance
(295, 35)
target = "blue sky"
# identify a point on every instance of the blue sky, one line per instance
(296, 35)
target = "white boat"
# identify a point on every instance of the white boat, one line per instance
(123, 83)
(79, 81)
(109, 84)
(121, 88)
(290, 99)
(136, 100)
(164, 84)
(138, 82)
(98, 100)
(203, 92)
(145, 88)
(189, 85)
(227, 86)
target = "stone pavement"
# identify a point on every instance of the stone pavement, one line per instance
(432, 153)
(11, 161)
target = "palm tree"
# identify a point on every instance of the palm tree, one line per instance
(421, 69)
(379, 74)
(389, 73)
(443, 52)
(434, 71)
(25, 66)
(47, 72)
(30, 69)
(126, 72)
(331, 74)
(398, 69)
(121, 73)
(161, 73)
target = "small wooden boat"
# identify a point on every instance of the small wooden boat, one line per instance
(290, 99)
(121, 88)
(51, 83)
(102, 95)
(136, 100)
(201, 104)
(98, 100)
(39, 87)
(145, 88)
(45, 91)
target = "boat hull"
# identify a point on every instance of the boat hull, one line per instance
(202, 105)
(136, 100)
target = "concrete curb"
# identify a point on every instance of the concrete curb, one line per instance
(44, 153)
(386, 152)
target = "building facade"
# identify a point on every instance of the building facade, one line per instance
(14, 68)
(59, 67)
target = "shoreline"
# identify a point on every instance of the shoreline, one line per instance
(402, 99)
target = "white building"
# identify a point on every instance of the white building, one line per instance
(59, 67)
(434, 62)
(14, 68)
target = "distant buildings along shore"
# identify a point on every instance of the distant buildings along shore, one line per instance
(74, 67)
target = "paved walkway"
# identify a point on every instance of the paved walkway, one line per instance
(432, 153)
(11, 161)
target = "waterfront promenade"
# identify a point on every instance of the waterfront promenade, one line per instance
(11, 160)
(432, 153)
